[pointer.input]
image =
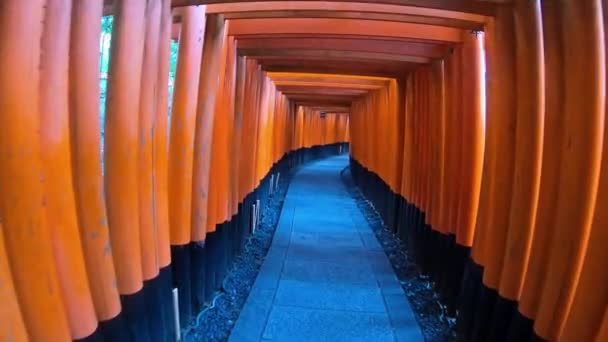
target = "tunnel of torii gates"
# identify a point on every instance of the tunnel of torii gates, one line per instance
(498, 197)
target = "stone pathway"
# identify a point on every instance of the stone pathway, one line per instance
(326, 277)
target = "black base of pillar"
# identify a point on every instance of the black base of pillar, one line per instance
(115, 329)
(153, 297)
(135, 313)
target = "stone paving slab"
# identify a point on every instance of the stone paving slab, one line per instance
(326, 277)
(300, 324)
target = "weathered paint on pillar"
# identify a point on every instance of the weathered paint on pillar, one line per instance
(183, 120)
(22, 200)
(530, 112)
(86, 160)
(148, 228)
(57, 169)
(161, 138)
(582, 145)
(122, 142)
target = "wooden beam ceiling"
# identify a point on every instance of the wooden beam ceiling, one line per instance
(307, 47)
(330, 55)
(321, 26)
(465, 6)
(469, 25)
(317, 89)
(400, 47)
(396, 70)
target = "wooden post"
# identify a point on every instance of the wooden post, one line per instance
(22, 200)
(147, 116)
(501, 137)
(207, 97)
(580, 165)
(551, 159)
(530, 112)
(86, 159)
(472, 139)
(57, 169)
(122, 141)
(183, 120)
(12, 326)
(161, 138)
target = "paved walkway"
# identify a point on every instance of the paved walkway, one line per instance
(326, 277)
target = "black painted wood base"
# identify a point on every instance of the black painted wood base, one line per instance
(114, 329)
(197, 269)
(436, 254)
(483, 315)
(136, 316)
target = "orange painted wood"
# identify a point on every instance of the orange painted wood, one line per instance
(218, 200)
(161, 139)
(211, 65)
(501, 138)
(249, 117)
(552, 154)
(397, 99)
(86, 159)
(148, 228)
(470, 6)
(426, 141)
(335, 6)
(57, 169)
(183, 122)
(449, 152)
(590, 300)
(415, 91)
(230, 136)
(472, 138)
(456, 148)
(235, 153)
(406, 175)
(121, 143)
(259, 86)
(23, 209)
(12, 327)
(394, 17)
(326, 99)
(330, 55)
(176, 29)
(584, 125)
(272, 113)
(530, 111)
(411, 48)
(266, 128)
(360, 68)
(438, 143)
(588, 314)
(335, 79)
(344, 26)
(602, 334)
(285, 86)
(484, 213)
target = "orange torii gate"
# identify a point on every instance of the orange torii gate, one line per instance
(500, 194)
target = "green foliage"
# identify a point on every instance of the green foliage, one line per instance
(173, 60)
(104, 62)
(104, 42)
(106, 24)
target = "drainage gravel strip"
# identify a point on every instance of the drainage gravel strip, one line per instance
(431, 315)
(215, 322)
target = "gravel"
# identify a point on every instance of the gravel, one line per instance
(215, 322)
(431, 315)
